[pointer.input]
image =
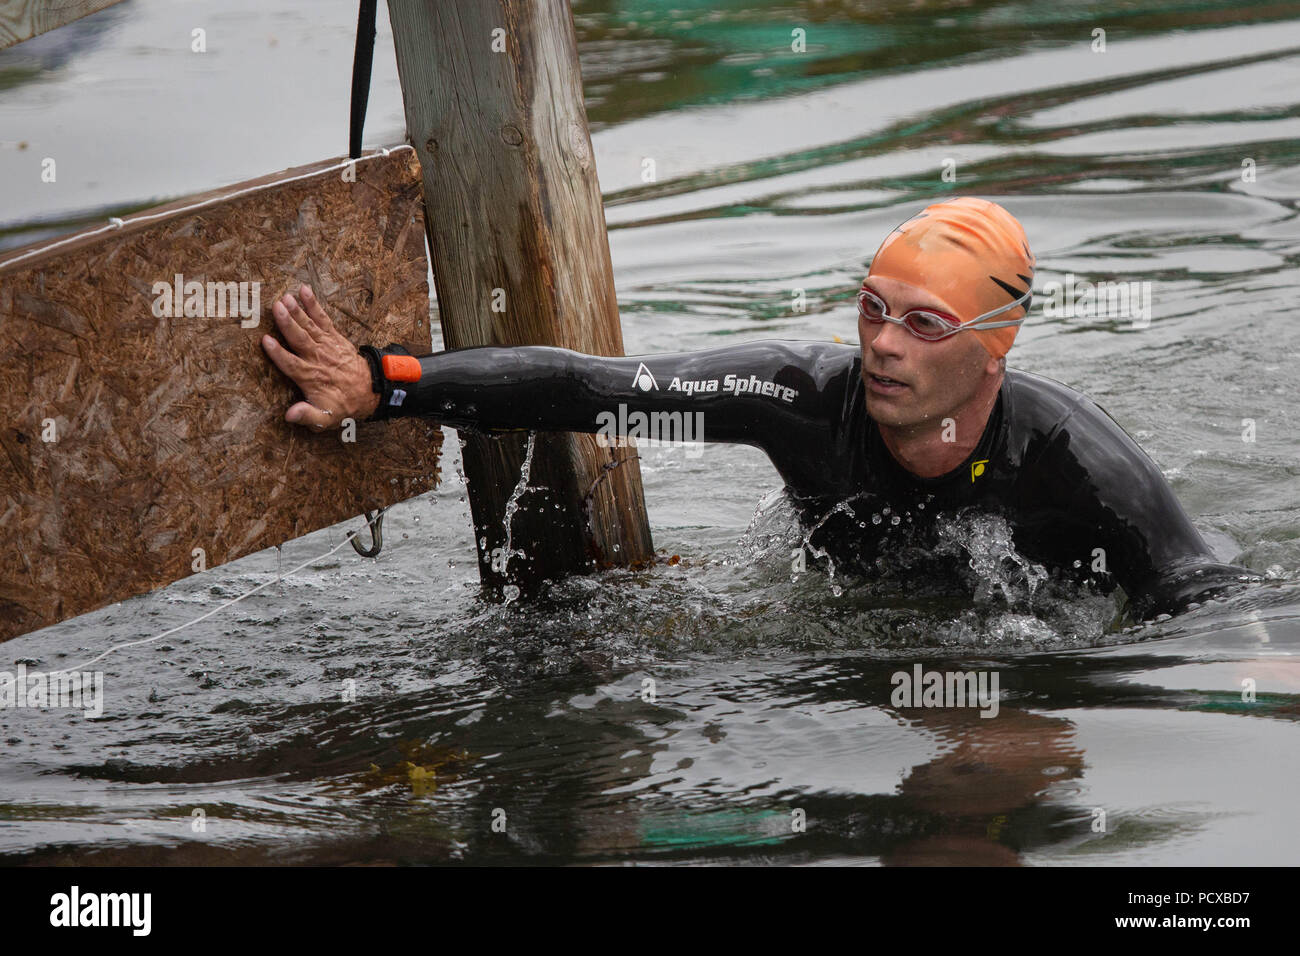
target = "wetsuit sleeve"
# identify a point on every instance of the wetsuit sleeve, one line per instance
(1122, 504)
(757, 393)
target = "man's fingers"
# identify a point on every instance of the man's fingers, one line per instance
(323, 356)
(284, 360)
(294, 333)
(313, 307)
(300, 318)
(305, 413)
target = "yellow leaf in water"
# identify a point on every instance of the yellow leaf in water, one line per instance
(422, 779)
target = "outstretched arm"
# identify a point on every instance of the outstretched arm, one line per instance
(767, 394)
(735, 394)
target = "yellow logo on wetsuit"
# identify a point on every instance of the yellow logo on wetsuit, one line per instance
(977, 468)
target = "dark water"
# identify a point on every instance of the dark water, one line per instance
(775, 171)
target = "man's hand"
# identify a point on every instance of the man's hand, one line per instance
(333, 376)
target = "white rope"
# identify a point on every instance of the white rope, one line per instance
(201, 617)
(115, 223)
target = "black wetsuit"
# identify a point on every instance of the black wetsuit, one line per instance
(1078, 494)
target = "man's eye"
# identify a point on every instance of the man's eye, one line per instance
(929, 323)
(871, 307)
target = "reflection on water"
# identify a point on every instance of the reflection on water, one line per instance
(720, 706)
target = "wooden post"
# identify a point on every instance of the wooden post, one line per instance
(516, 226)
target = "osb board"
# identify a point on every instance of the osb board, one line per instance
(23, 19)
(170, 432)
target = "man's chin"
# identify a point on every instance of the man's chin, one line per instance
(895, 406)
(892, 410)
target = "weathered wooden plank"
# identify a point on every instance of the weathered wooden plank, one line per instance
(23, 19)
(494, 107)
(128, 438)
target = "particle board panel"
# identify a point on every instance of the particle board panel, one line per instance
(134, 431)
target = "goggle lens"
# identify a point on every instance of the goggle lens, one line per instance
(922, 323)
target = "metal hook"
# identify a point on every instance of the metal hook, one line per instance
(376, 522)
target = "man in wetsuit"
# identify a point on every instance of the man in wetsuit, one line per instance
(875, 444)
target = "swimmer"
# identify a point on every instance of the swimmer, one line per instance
(924, 418)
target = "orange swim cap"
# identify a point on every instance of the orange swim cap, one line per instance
(969, 252)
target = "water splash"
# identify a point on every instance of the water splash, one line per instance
(962, 583)
(844, 507)
(998, 569)
(512, 506)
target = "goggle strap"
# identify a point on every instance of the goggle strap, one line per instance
(1006, 308)
(992, 325)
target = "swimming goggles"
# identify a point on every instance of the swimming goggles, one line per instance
(931, 325)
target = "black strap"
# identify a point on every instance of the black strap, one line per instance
(361, 63)
(379, 384)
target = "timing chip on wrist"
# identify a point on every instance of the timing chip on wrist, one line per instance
(390, 368)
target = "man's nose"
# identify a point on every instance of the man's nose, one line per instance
(890, 340)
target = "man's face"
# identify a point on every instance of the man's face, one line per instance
(937, 378)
